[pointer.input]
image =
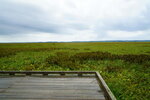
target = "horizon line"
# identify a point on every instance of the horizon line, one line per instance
(82, 41)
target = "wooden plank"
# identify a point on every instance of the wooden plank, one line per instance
(67, 92)
(47, 84)
(50, 88)
(41, 96)
(61, 83)
(48, 78)
(57, 88)
(108, 94)
(53, 99)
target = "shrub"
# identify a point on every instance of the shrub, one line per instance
(135, 58)
(72, 62)
(93, 56)
(62, 59)
(113, 69)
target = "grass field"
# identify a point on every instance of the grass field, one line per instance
(125, 66)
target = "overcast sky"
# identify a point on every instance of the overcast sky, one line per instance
(74, 20)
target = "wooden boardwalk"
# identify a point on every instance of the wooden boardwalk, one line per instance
(52, 87)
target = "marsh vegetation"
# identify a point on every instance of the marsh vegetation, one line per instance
(125, 66)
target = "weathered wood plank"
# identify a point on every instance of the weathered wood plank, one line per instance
(53, 91)
(76, 97)
(50, 88)
(57, 88)
(53, 85)
(50, 99)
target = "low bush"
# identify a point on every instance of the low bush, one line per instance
(62, 59)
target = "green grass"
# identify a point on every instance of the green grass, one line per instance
(125, 66)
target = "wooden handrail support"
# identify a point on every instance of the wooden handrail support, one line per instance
(107, 92)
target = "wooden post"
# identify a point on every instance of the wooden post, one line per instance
(45, 74)
(11, 74)
(28, 74)
(80, 74)
(62, 74)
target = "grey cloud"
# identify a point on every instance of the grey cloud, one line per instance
(21, 18)
(136, 23)
(129, 25)
(18, 18)
(24, 18)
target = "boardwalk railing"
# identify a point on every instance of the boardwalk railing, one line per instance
(107, 92)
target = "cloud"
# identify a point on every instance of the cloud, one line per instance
(124, 34)
(44, 37)
(74, 20)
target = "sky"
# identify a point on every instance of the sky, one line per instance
(74, 20)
